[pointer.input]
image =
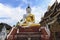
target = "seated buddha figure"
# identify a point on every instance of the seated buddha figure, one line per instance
(28, 19)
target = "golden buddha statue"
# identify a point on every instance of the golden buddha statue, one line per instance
(29, 19)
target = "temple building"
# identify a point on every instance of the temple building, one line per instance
(52, 20)
(27, 29)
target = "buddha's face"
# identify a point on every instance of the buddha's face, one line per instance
(28, 10)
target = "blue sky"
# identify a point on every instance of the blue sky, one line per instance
(24, 3)
(11, 11)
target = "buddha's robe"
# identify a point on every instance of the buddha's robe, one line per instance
(30, 18)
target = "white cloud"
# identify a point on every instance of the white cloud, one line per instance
(38, 12)
(58, 0)
(15, 14)
(25, 1)
(52, 1)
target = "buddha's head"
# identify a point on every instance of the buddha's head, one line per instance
(28, 9)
